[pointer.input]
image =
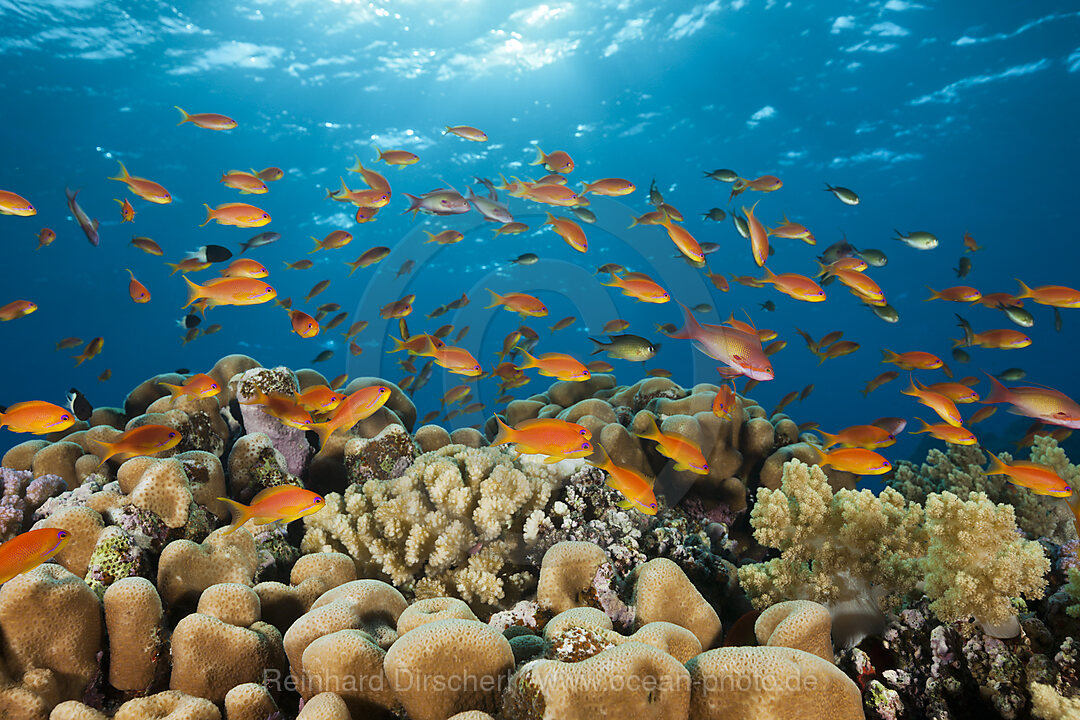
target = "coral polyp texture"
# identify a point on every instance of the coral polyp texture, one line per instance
(446, 578)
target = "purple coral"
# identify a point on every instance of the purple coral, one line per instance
(22, 493)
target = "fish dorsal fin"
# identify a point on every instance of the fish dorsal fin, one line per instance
(274, 491)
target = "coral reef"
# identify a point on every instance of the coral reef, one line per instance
(448, 579)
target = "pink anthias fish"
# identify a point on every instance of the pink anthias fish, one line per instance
(1045, 404)
(741, 351)
(438, 202)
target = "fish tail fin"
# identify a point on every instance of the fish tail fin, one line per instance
(505, 433)
(925, 427)
(539, 156)
(209, 214)
(414, 203)
(888, 356)
(185, 116)
(996, 467)
(604, 461)
(109, 449)
(380, 152)
(399, 345)
(240, 513)
(634, 221)
(318, 245)
(934, 294)
(323, 429)
(652, 431)
(174, 390)
(770, 276)
(998, 393)
(496, 298)
(690, 328)
(828, 438)
(599, 346)
(1025, 291)
(194, 292)
(828, 187)
(528, 362)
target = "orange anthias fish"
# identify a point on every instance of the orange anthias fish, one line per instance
(1040, 479)
(947, 433)
(17, 309)
(92, 349)
(137, 290)
(960, 293)
(556, 162)
(36, 417)
(957, 392)
(569, 231)
(969, 243)
(937, 402)
(15, 204)
(401, 158)
(357, 406)
(398, 309)
(634, 487)
(146, 189)
(271, 174)
(639, 288)
(230, 291)
(282, 406)
(557, 439)
(198, 385)
(207, 121)
(45, 238)
(685, 452)
(981, 414)
(1053, 295)
(739, 350)
(612, 187)
(1004, 339)
(856, 460)
(127, 213)
(725, 401)
(25, 552)
(457, 360)
(245, 267)
(279, 504)
(522, 304)
(862, 436)
(1045, 404)
(684, 241)
(248, 183)
(467, 132)
(912, 360)
(759, 238)
(303, 324)
(796, 286)
(146, 245)
(236, 214)
(336, 239)
(143, 440)
(880, 380)
(556, 365)
(320, 399)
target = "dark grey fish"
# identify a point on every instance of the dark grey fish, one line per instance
(963, 267)
(885, 312)
(1057, 320)
(1012, 374)
(626, 347)
(526, 259)
(263, 238)
(768, 305)
(78, 404)
(190, 320)
(723, 175)
(961, 355)
(654, 194)
(741, 225)
(843, 194)
(1017, 314)
(324, 356)
(715, 214)
(584, 214)
(969, 334)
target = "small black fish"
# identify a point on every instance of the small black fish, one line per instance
(768, 305)
(191, 320)
(211, 254)
(715, 214)
(1057, 320)
(234, 410)
(963, 267)
(182, 371)
(324, 356)
(961, 355)
(969, 334)
(80, 407)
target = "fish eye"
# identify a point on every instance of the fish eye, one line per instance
(65, 417)
(318, 501)
(172, 434)
(62, 534)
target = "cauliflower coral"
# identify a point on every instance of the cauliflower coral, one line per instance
(852, 546)
(452, 525)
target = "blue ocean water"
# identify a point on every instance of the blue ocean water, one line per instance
(944, 117)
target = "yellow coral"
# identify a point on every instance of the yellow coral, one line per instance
(976, 562)
(449, 524)
(833, 546)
